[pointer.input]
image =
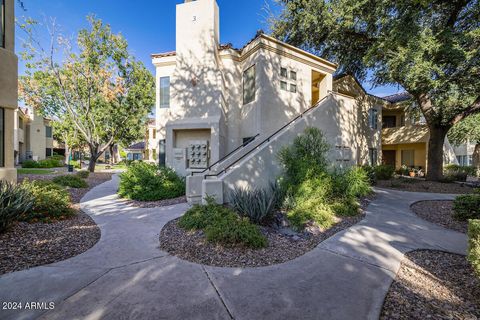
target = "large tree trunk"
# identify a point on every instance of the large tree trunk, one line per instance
(113, 155)
(94, 155)
(476, 157)
(435, 152)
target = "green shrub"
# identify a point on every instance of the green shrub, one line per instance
(384, 172)
(14, 201)
(453, 172)
(72, 181)
(57, 157)
(147, 182)
(467, 207)
(352, 182)
(83, 174)
(30, 164)
(222, 225)
(306, 157)
(256, 204)
(45, 164)
(51, 201)
(474, 244)
(372, 176)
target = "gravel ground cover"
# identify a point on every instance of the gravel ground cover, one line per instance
(282, 245)
(417, 185)
(433, 285)
(439, 212)
(155, 204)
(27, 245)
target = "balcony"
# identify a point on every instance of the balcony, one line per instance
(405, 134)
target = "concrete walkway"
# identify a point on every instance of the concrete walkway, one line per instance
(126, 276)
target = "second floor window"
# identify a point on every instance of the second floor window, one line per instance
(249, 85)
(48, 132)
(165, 92)
(2, 24)
(373, 118)
(389, 122)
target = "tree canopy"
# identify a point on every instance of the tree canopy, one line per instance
(430, 48)
(97, 86)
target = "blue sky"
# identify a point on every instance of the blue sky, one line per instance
(149, 26)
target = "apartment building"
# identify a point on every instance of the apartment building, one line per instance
(146, 150)
(8, 89)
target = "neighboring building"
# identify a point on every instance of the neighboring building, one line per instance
(8, 89)
(464, 153)
(33, 136)
(405, 136)
(146, 150)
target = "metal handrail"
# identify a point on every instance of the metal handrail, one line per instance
(225, 157)
(268, 138)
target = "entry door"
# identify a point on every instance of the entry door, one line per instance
(388, 157)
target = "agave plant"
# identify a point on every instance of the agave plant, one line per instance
(14, 201)
(256, 204)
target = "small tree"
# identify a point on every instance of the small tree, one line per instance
(468, 130)
(96, 86)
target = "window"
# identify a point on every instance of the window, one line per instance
(2, 137)
(162, 153)
(154, 154)
(48, 132)
(283, 85)
(48, 152)
(165, 92)
(389, 122)
(284, 72)
(293, 75)
(293, 88)
(249, 85)
(408, 158)
(247, 140)
(2, 24)
(373, 156)
(373, 118)
(20, 123)
(402, 120)
(154, 134)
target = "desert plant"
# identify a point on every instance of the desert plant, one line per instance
(466, 207)
(147, 182)
(453, 172)
(352, 182)
(14, 201)
(474, 244)
(72, 181)
(83, 174)
(51, 201)
(371, 174)
(222, 225)
(384, 172)
(256, 204)
(306, 157)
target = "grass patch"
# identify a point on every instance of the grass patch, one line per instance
(222, 225)
(34, 171)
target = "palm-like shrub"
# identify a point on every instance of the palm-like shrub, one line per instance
(256, 204)
(147, 182)
(14, 201)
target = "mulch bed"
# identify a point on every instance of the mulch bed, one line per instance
(27, 245)
(439, 212)
(433, 285)
(155, 204)
(417, 185)
(282, 247)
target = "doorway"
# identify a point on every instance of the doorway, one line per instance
(389, 157)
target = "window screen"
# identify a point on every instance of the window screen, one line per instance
(48, 132)
(249, 85)
(408, 158)
(162, 153)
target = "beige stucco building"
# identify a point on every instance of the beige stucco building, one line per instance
(240, 106)
(8, 89)
(146, 150)
(33, 136)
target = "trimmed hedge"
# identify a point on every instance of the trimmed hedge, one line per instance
(474, 244)
(44, 164)
(222, 225)
(466, 207)
(453, 172)
(147, 182)
(72, 181)
(384, 172)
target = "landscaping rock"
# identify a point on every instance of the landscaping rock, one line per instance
(439, 212)
(433, 285)
(420, 185)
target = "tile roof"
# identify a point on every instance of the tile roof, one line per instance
(398, 97)
(137, 146)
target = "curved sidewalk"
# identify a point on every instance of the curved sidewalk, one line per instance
(126, 276)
